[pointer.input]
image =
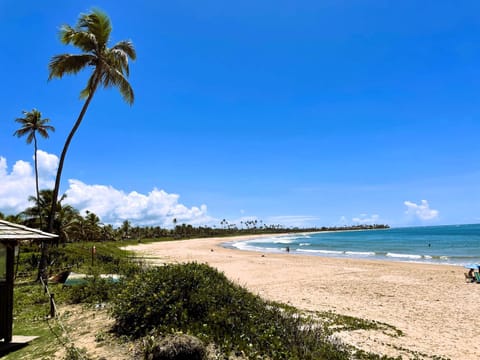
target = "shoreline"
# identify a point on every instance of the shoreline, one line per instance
(385, 255)
(430, 303)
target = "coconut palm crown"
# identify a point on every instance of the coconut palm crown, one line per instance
(110, 65)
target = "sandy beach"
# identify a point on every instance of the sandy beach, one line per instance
(437, 311)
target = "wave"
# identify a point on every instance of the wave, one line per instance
(320, 251)
(416, 256)
(360, 253)
(404, 256)
(283, 241)
(243, 245)
(336, 252)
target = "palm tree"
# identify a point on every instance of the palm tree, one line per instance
(32, 124)
(125, 229)
(109, 69)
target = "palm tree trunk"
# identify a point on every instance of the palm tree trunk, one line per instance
(42, 267)
(36, 182)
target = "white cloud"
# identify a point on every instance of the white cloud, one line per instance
(421, 211)
(365, 219)
(16, 186)
(47, 166)
(113, 206)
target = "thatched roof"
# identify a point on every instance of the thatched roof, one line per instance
(15, 232)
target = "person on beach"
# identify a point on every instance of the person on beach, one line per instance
(471, 275)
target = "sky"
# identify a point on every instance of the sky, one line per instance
(298, 113)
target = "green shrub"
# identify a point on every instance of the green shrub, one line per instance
(197, 299)
(95, 290)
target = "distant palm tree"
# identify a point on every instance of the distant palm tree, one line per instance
(109, 69)
(32, 124)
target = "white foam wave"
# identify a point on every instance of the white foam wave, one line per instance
(304, 244)
(245, 245)
(274, 240)
(321, 251)
(284, 241)
(360, 253)
(404, 256)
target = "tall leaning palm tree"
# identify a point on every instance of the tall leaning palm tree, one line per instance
(31, 125)
(109, 67)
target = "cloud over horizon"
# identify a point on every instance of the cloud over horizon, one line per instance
(421, 211)
(113, 206)
(365, 219)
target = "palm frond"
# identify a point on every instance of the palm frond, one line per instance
(43, 131)
(30, 137)
(119, 60)
(66, 34)
(114, 77)
(21, 132)
(98, 24)
(21, 120)
(127, 47)
(68, 64)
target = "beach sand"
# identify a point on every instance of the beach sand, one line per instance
(437, 311)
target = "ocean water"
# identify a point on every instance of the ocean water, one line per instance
(451, 244)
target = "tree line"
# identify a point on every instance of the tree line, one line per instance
(71, 226)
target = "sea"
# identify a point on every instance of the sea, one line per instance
(448, 244)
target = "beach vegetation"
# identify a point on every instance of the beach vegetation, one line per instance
(172, 347)
(333, 322)
(155, 308)
(198, 300)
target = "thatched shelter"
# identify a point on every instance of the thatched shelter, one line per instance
(11, 235)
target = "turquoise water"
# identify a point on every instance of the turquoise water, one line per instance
(452, 244)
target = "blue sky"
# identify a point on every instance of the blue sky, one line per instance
(293, 112)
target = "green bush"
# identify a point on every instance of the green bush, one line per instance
(95, 290)
(197, 299)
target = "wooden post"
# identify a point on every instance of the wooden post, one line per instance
(52, 306)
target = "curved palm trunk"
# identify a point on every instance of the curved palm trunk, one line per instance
(42, 268)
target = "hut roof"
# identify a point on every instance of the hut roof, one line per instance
(14, 232)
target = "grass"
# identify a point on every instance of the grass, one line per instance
(31, 309)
